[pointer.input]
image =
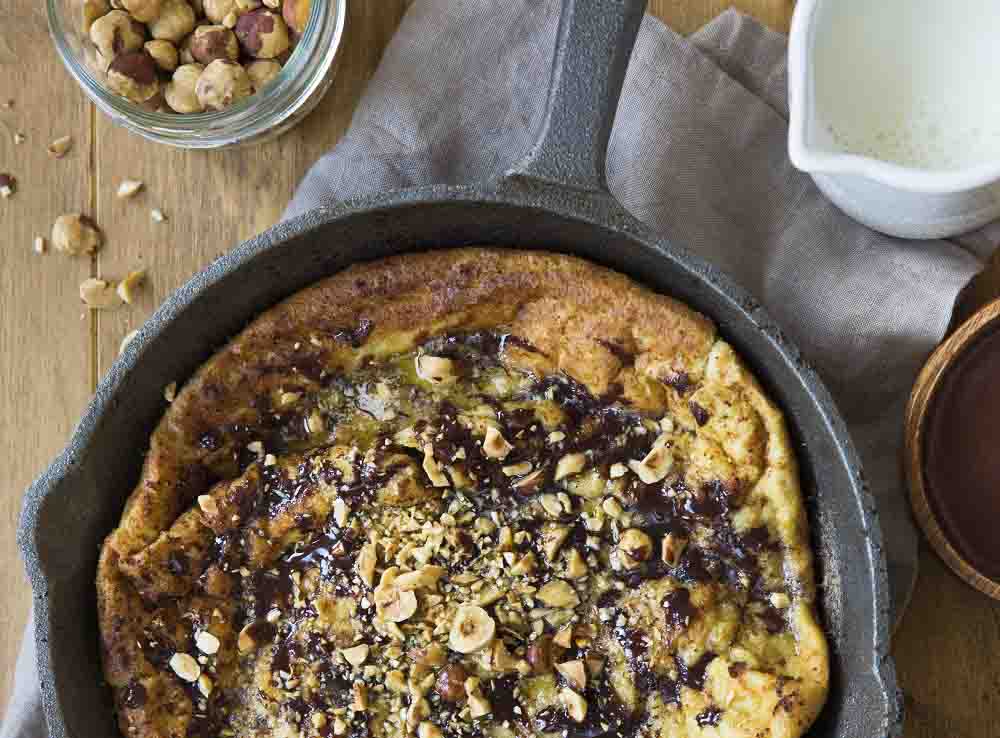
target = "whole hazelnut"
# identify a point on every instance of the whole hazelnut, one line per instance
(217, 10)
(133, 76)
(176, 20)
(296, 15)
(184, 55)
(75, 234)
(539, 655)
(180, 94)
(142, 10)
(262, 34)
(221, 84)
(117, 33)
(209, 43)
(164, 54)
(451, 683)
(91, 10)
(261, 72)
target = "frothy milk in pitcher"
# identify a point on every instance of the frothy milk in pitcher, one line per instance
(911, 82)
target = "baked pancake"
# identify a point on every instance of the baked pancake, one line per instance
(463, 493)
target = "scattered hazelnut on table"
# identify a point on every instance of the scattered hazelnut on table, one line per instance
(8, 185)
(180, 92)
(133, 76)
(128, 188)
(164, 53)
(262, 72)
(296, 15)
(262, 34)
(75, 234)
(98, 294)
(209, 43)
(117, 33)
(60, 146)
(175, 21)
(222, 84)
(128, 287)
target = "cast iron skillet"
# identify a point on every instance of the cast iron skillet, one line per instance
(556, 199)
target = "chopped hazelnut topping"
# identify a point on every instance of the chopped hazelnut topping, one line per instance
(635, 547)
(564, 638)
(570, 464)
(435, 369)
(206, 642)
(559, 593)
(205, 685)
(671, 549)
(495, 446)
(356, 655)
(575, 673)
(471, 630)
(656, 464)
(576, 705)
(433, 469)
(185, 666)
(780, 600)
(208, 505)
(553, 539)
(396, 605)
(516, 470)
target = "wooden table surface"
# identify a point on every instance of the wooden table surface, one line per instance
(51, 353)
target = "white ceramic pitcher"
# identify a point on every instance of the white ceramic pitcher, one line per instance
(893, 114)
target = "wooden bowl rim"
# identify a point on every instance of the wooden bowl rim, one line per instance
(924, 389)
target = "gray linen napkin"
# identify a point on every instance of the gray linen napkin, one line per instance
(698, 152)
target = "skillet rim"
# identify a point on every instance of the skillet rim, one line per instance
(595, 210)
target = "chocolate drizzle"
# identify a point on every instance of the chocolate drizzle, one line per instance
(680, 611)
(354, 337)
(709, 717)
(608, 433)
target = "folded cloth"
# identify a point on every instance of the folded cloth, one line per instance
(698, 152)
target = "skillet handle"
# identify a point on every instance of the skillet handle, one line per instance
(595, 41)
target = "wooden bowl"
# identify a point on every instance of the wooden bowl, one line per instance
(980, 324)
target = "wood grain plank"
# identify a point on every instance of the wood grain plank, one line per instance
(45, 372)
(687, 16)
(946, 650)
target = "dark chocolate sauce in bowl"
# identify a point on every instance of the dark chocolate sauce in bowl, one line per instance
(962, 455)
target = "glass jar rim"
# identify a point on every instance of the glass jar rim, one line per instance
(298, 81)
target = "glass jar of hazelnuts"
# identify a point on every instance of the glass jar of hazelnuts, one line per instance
(201, 74)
